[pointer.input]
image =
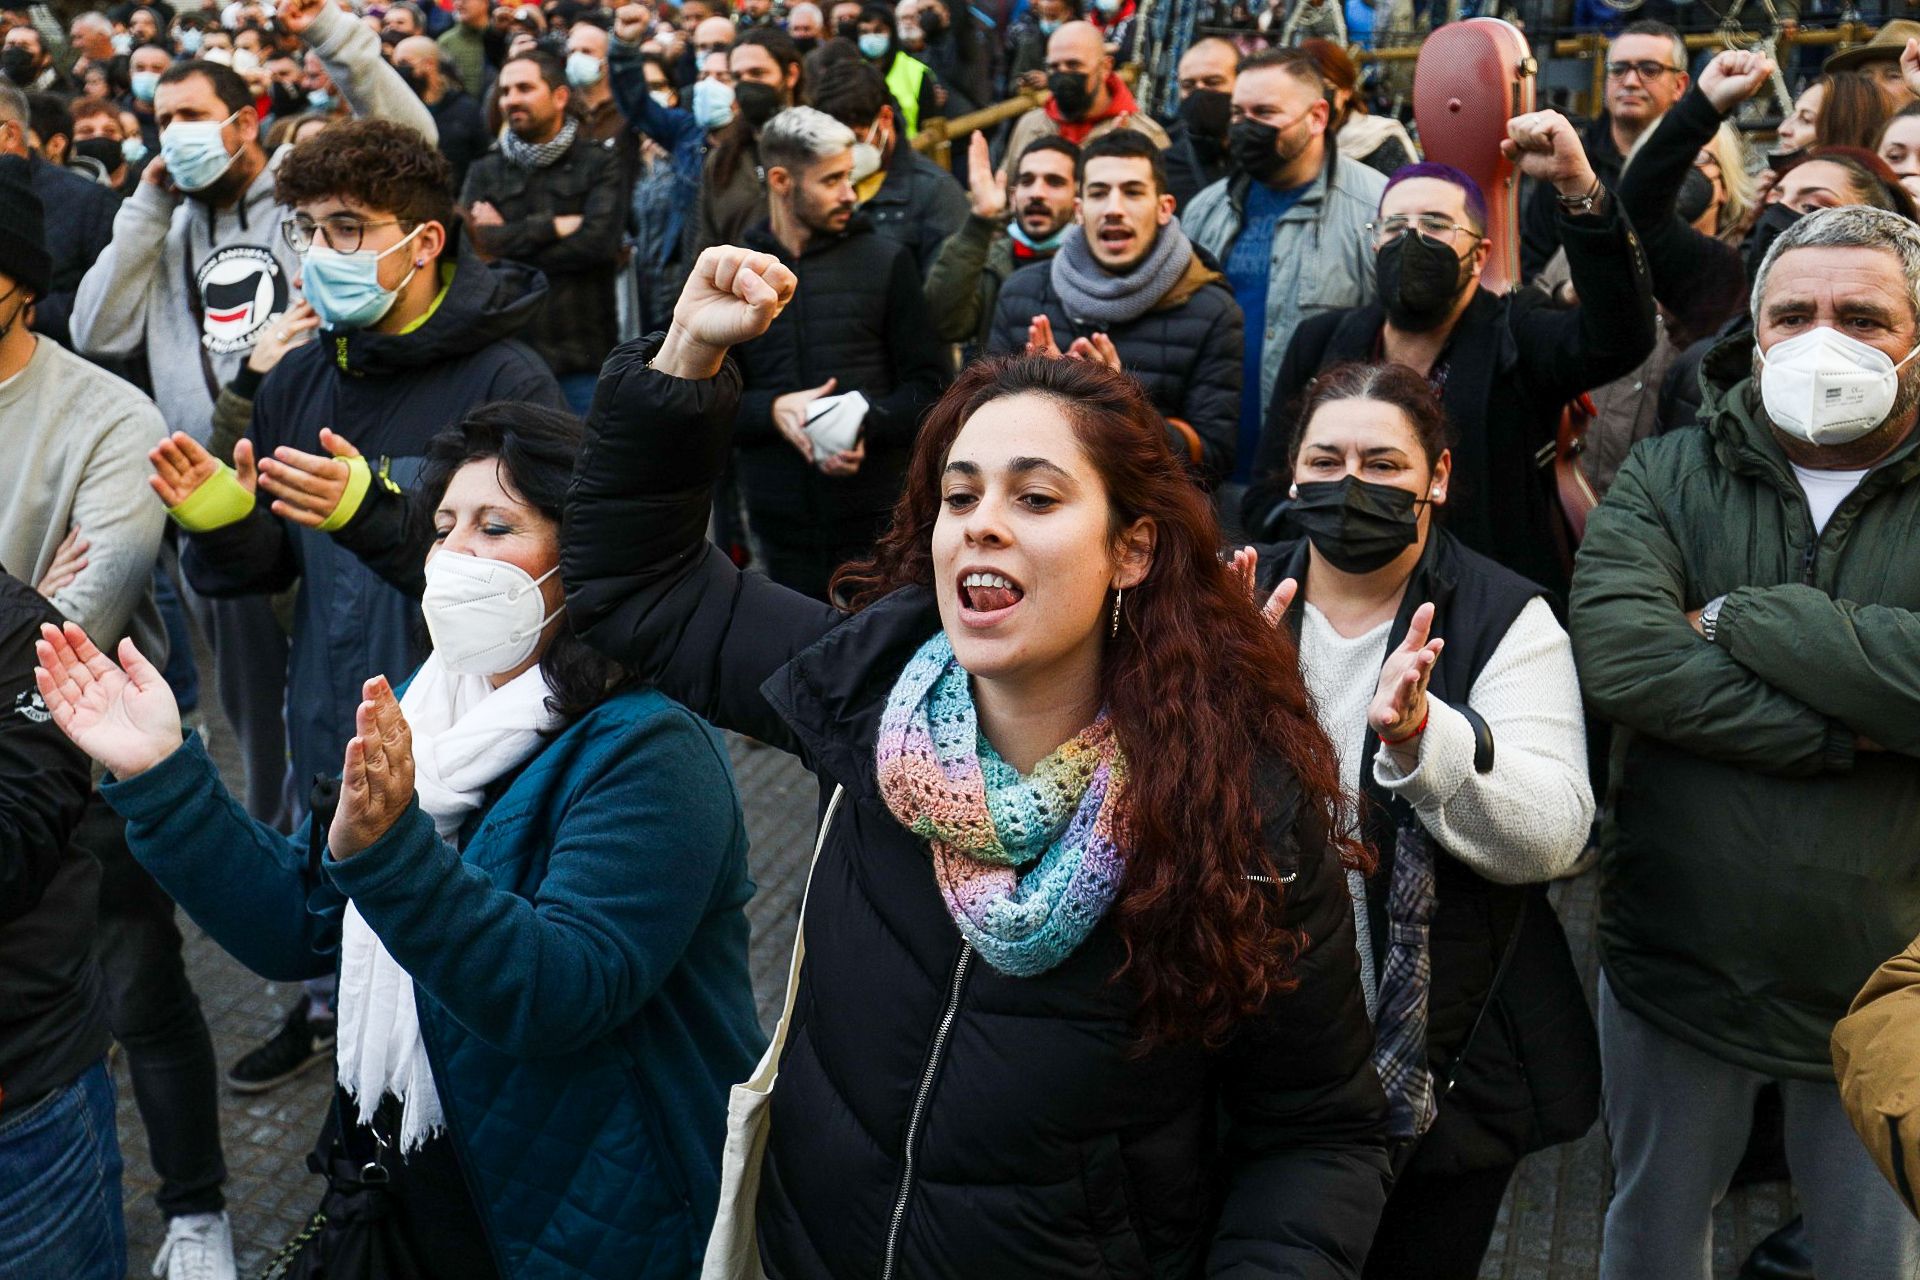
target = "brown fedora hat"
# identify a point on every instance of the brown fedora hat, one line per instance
(1887, 44)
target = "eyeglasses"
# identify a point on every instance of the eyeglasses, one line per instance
(1437, 225)
(1645, 70)
(343, 232)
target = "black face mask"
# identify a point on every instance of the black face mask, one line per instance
(287, 99)
(1696, 196)
(848, 31)
(1252, 148)
(932, 24)
(105, 151)
(1358, 526)
(758, 102)
(414, 81)
(1419, 281)
(1070, 94)
(1206, 113)
(1773, 221)
(806, 44)
(18, 64)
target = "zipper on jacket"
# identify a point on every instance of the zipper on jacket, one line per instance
(920, 1105)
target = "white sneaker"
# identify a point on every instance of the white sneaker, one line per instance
(199, 1247)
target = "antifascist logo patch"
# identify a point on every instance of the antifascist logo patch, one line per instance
(28, 704)
(241, 288)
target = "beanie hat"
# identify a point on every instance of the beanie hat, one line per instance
(23, 236)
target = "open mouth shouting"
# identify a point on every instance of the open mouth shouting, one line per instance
(1117, 239)
(987, 597)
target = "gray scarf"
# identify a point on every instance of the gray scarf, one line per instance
(537, 155)
(1093, 293)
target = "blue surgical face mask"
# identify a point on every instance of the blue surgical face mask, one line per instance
(321, 101)
(583, 69)
(873, 45)
(145, 85)
(133, 150)
(344, 288)
(122, 43)
(713, 104)
(190, 39)
(1048, 26)
(195, 152)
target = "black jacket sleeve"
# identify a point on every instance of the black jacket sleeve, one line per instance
(1539, 230)
(1305, 1128)
(1565, 351)
(1699, 278)
(644, 586)
(43, 776)
(1213, 397)
(919, 366)
(390, 534)
(1266, 496)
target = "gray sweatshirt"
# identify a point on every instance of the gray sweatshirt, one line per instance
(76, 440)
(191, 287)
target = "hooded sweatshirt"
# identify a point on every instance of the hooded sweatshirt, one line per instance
(191, 287)
(1122, 112)
(389, 394)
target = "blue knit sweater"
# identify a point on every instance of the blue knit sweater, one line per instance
(580, 965)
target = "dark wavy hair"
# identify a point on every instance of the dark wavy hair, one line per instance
(1387, 382)
(535, 449)
(1202, 693)
(381, 165)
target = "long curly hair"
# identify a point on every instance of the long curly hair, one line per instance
(1202, 693)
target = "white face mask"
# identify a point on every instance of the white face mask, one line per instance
(485, 616)
(866, 155)
(1827, 388)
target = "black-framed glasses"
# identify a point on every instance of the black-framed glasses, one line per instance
(1437, 225)
(342, 231)
(1645, 70)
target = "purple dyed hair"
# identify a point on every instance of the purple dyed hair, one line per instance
(1476, 199)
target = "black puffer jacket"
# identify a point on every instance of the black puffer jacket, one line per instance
(1185, 352)
(859, 316)
(919, 204)
(579, 324)
(933, 1117)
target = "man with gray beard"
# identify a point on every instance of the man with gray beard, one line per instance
(1746, 607)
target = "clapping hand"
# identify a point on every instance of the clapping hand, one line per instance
(1098, 349)
(1399, 709)
(986, 187)
(1245, 566)
(1040, 338)
(1734, 76)
(124, 716)
(732, 296)
(1545, 147)
(376, 780)
(307, 487)
(182, 464)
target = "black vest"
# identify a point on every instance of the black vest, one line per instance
(1532, 1076)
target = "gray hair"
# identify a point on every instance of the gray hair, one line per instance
(14, 107)
(1854, 226)
(93, 20)
(800, 136)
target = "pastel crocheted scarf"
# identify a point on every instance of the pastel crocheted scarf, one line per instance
(1027, 865)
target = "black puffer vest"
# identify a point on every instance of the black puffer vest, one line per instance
(1531, 1077)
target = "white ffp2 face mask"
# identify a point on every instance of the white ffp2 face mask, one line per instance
(485, 616)
(1827, 388)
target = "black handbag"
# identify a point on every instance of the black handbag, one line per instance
(354, 1234)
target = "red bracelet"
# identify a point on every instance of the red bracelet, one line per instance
(1417, 731)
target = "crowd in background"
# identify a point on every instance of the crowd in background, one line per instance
(1156, 519)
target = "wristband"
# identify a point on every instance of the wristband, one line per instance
(220, 500)
(359, 476)
(1417, 731)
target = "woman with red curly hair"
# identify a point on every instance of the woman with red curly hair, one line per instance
(1080, 994)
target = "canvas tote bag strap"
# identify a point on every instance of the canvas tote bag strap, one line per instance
(800, 925)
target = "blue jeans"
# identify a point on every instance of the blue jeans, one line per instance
(60, 1185)
(577, 390)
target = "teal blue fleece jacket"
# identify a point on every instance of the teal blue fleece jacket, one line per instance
(580, 965)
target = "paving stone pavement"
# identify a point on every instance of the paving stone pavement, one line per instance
(1549, 1227)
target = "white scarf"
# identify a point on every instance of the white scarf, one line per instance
(465, 734)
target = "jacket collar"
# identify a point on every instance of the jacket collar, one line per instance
(832, 693)
(1314, 196)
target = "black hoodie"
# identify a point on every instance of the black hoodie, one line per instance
(388, 394)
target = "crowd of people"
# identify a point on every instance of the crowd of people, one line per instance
(1149, 520)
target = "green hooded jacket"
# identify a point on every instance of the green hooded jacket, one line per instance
(1756, 867)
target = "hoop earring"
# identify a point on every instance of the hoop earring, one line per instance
(1113, 632)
